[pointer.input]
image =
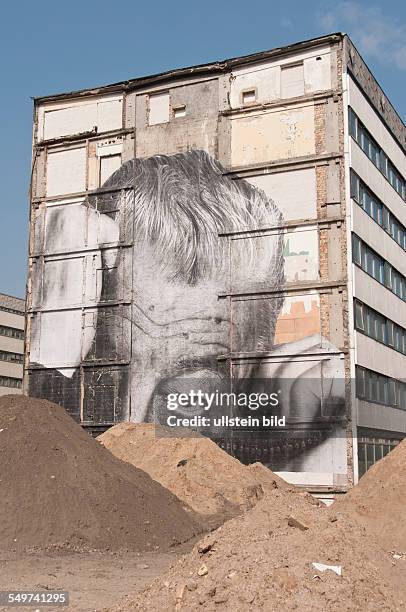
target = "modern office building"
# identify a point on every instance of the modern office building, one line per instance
(244, 218)
(12, 320)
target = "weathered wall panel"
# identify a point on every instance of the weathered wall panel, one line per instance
(66, 171)
(272, 135)
(196, 130)
(294, 192)
(79, 116)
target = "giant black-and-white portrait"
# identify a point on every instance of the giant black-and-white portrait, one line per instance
(184, 278)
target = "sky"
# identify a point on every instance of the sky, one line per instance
(53, 46)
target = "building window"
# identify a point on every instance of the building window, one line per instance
(371, 450)
(11, 357)
(158, 108)
(179, 111)
(377, 210)
(249, 96)
(13, 310)
(377, 388)
(11, 332)
(292, 81)
(379, 269)
(12, 383)
(374, 152)
(374, 325)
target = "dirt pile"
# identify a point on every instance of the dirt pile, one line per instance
(192, 467)
(263, 559)
(378, 502)
(61, 488)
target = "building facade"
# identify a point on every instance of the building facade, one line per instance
(12, 320)
(241, 220)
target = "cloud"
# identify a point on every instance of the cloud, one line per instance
(376, 34)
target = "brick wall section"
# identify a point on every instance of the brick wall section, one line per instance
(320, 146)
(320, 128)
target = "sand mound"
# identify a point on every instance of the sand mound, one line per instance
(59, 487)
(263, 559)
(195, 469)
(379, 500)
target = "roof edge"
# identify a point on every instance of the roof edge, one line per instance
(199, 69)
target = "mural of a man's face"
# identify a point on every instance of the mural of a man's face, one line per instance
(181, 266)
(182, 212)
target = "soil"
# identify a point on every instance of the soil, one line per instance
(92, 579)
(196, 470)
(263, 559)
(378, 502)
(59, 488)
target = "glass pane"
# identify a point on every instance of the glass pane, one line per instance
(370, 455)
(362, 464)
(378, 452)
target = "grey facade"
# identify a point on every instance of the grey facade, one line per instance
(203, 223)
(12, 321)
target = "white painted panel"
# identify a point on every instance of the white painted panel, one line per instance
(292, 81)
(65, 227)
(109, 115)
(59, 339)
(70, 120)
(317, 73)
(66, 171)
(112, 146)
(63, 282)
(266, 76)
(108, 165)
(158, 108)
(293, 192)
(266, 82)
(301, 255)
(70, 117)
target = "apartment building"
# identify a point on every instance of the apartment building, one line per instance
(239, 219)
(12, 319)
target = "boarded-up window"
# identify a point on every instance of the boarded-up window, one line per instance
(109, 115)
(293, 192)
(70, 120)
(276, 134)
(260, 323)
(65, 227)
(66, 171)
(63, 282)
(108, 165)
(292, 81)
(249, 96)
(159, 108)
(102, 115)
(105, 399)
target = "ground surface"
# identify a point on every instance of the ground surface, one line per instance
(94, 580)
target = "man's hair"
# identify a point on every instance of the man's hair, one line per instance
(179, 204)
